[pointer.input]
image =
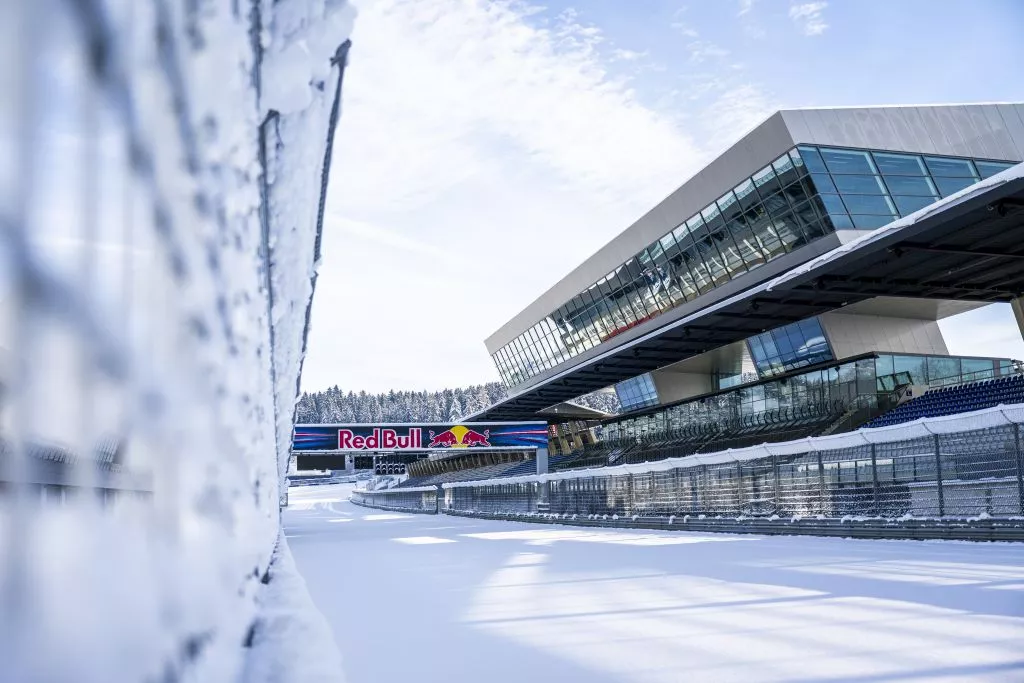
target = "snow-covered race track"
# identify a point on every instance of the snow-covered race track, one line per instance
(438, 598)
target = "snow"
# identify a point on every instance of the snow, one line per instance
(292, 640)
(424, 597)
(148, 149)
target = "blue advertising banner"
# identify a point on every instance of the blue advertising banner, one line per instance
(418, 437)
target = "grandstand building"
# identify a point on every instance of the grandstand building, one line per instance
(750, 305)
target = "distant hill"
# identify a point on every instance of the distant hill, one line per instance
(448, 405)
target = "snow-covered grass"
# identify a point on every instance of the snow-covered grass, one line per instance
(414, 597)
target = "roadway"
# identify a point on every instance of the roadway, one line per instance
(437, 598)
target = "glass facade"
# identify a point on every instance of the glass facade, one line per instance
(801, 196)
(847, 382)
(790, 347)
(637, 392)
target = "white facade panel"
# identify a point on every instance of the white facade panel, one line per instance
(1013, 118)
(956, 126)
(883, 128)
(930, 127)
(851, 335)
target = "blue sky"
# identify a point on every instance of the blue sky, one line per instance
(487, 148)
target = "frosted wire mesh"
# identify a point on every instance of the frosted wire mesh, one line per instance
(152, 307)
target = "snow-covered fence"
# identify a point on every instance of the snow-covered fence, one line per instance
(411, 499)
(161, 193)
(952, 467)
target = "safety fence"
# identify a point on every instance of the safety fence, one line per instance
(958, 472)
(161, 200)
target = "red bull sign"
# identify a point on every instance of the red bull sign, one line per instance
(324, 438)
(380, 439)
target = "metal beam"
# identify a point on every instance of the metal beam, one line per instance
(957, 250)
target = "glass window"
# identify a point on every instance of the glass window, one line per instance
(748, 244)
(831, 203)
(847, 160)
(908, 205)
(950, 168)
(840, 221)
(789, 347)
(728, 206)
(859, 184)
(870, 222)
(746, 195)
(784, 169)
(822, 182)
(987, 169)
(637, 392)
(812, 159)
(765, 181)
(948, 186)
(977, 368)
(913, 366)
(941, 368)
(910, 185)
(864, 203)
(899, 164)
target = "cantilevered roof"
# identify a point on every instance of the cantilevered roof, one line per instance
(967, 247)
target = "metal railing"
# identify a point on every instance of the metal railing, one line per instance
(421, 499)
(952, 477)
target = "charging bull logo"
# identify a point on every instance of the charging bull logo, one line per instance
(460, 437)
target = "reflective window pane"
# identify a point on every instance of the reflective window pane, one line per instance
(823, 182)
(948, 186)
(987, 169)
(847, 160)
(908, 205)
(812, 160)
(865, 222)
(868, 204)
(908, 185)
(950, 168)
(859, 184)
(899, 164)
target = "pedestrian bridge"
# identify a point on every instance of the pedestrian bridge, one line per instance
(366, 446)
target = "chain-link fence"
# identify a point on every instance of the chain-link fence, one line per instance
(411, 499)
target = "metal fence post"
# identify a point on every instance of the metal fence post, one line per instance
(874, 481)
(740, 498)
(821, 483)
(1020, 470)
(775, 481)
(938, 476)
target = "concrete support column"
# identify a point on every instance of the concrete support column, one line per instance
(1018, 312)
(543, 488)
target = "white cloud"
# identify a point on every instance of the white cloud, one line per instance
(746, 6)
(703, 50)
(808, 17)
(482, 153)
(681, 26)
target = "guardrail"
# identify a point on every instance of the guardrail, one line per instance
(421, 499)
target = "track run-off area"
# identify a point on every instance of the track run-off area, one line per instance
(441, 598)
